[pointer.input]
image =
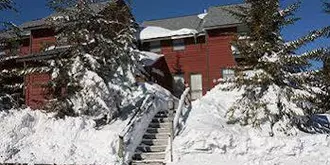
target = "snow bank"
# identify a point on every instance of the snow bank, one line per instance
(35, 137)
(152, 32)
(207, 139)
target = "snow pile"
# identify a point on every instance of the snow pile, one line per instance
(38, 138)
(207, 139)
(34, 137)
(152, 32)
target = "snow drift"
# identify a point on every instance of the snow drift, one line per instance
(207, 139)
(36, 137)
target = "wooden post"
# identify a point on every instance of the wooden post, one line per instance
(171, 111)
(121, 147)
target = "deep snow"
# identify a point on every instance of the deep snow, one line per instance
(28, 136)
(207, 139)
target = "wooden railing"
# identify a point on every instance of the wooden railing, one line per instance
(185, 100)
(144, 106)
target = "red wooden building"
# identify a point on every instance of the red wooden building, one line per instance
(198, 47)
(30, 51)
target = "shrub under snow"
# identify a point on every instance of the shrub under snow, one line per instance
(35, 137)
(207, 138)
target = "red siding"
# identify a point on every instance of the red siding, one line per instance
(41, 38)
(25, 47)
(206, 56)
(220, 54)
(36, 91)
(192, 59)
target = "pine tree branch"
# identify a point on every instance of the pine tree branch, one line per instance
(327, 7)
(7, 5)
(312, 36)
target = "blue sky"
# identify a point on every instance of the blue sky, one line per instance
(310, 12)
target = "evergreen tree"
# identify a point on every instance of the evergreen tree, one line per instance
(11, 94)
(319, 80)
(6, 5)
(177, 67)
(94, 64)
(327, 7)
(269, 77)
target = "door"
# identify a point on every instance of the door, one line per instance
(196, 86)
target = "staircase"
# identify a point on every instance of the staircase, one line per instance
(151, 150)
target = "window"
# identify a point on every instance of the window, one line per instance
(228, 73)
(2, 49)
(234, 50)
(242, 30)
(155, 47)
(178, 44)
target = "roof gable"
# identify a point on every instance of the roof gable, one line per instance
(219, 16)
(190, 22)
(222, 16)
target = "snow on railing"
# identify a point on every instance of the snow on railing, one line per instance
(144, 106)
(152, 104)
(185, 98)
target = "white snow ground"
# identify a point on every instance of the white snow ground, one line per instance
(206, 139)
(28, 136)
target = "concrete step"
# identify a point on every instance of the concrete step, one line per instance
(158, 130)
(156, 135)
(148, 162)
(160, 119)
(163, 112)
(162, 115)
(149, 156)
(152, 142)
(144, 148)
(159, 124)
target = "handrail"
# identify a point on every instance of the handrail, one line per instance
(184, 99)
(130, 125)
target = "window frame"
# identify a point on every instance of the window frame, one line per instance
(178, 44)
(227, 75)
(155, 46)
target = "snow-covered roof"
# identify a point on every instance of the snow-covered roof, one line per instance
(149, 58)
(202, 16)
(152, 32)
(217, 16)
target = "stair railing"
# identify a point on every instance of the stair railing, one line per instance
(185, 100)
(144, 106)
